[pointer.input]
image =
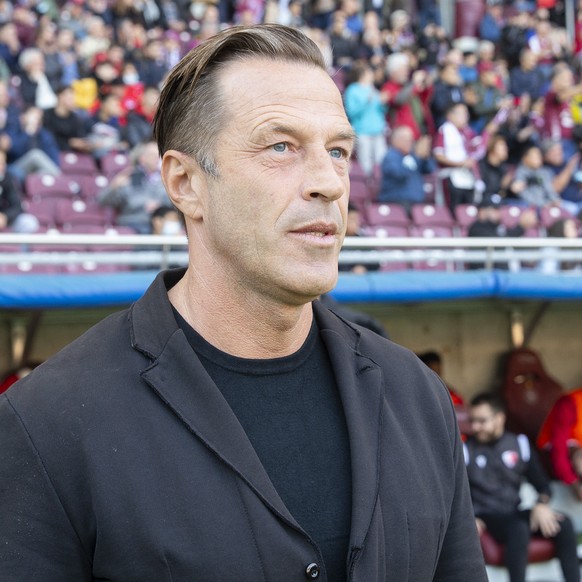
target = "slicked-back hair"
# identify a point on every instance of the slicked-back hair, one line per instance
(191, 110)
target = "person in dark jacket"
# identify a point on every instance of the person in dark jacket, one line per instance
(498, 462)
(32, 147)
(228, 426)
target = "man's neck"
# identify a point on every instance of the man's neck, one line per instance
(254, 328)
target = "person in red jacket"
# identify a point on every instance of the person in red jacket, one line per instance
(561, 435)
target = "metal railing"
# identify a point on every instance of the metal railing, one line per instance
(153, 251)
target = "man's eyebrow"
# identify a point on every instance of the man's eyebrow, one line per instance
(346, 134)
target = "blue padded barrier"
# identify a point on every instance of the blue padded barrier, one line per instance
(43, 291)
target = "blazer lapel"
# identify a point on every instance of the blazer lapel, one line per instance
(181, 381)
(359, 380)
(177, 376)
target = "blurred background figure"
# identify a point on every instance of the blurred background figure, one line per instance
(366, 110)
(137, 191)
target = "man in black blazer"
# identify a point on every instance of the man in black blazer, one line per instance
(228, 427)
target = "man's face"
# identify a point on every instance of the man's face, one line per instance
(487, 424)
(275, 218)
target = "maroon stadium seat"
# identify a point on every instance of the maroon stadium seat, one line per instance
(37, 186)
(78, 163)
(386, 214)
(539, 550)
(431, 215)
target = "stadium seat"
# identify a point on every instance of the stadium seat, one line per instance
(540, 549)
(78, 163)
(551, 214)
(37, 186)
(360, 194)
(431, 215)
(386, 214)
(80, 212)
(356, 172)
(510, 215)
(91, 185)
(529, 392)
(113, 163)
(43, 209)
(465, 215)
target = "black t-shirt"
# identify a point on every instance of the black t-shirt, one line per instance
(290, 409)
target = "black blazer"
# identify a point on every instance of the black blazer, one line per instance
(120, 460)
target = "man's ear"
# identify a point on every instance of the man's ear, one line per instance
(185, 183)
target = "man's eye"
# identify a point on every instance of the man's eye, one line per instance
(280, 147)
(338, 153)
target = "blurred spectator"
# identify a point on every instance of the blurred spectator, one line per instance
(567, 179)
(562, 228)
(400, 35)
(488, 223)
(137, 191)
(546, 42)
(96, 40)
(492, 23)
(458, 148)
(434, 361)
(152, 66)
(138, 128)
(486, 98)
(434, 43)
(46, 42)
(68, 127)
(498, 462)
(557, 107)
(9, 113)
(494, 169)
(343, 43)
(67, 56)
(533, 183)
(518, 130)
(407, 96)
(32, 147)
(353, 13)
(10, 46)
(404, 166)
(166, 220)
(561, 436)
(354, 228)
(366, 112)
(11, 215)
(447, 90)
(35, 88)
(514, 37)
(468, 70)
(105, 131)
(527, 78)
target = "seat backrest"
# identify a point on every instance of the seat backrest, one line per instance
(551, 214)
(37, 186)
(529, 392)
(78, 163)
(430, 214)
(383, 214)
(113, 163)
(70, 212)
(539, 549)
(465, 214)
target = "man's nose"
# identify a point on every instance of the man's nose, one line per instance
(324, 178)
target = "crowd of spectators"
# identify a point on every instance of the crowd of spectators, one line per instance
(495, 113)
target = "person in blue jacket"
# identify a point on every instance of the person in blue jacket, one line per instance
(366, 110)
(32, 147)
(404, 168)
